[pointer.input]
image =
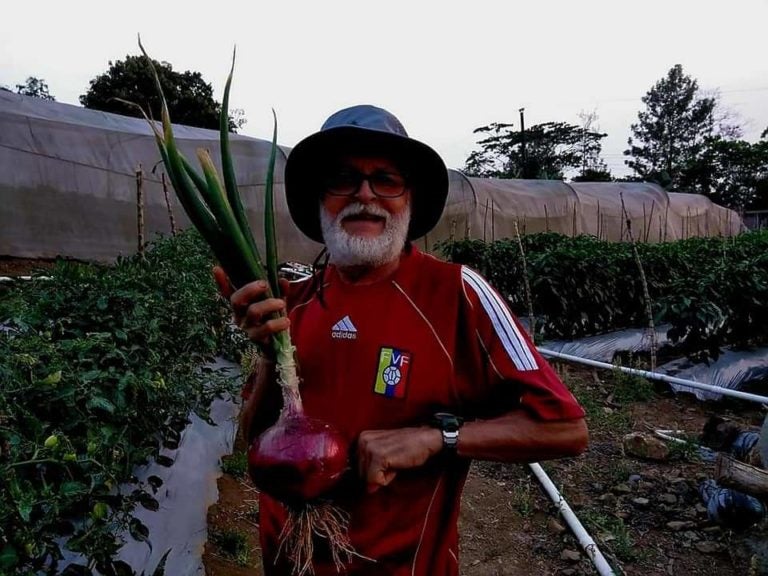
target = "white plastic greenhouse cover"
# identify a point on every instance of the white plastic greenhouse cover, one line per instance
(68, 188)
(68, 181)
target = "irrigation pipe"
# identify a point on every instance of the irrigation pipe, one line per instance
(657, 376)
(26, 278)
(585, 540)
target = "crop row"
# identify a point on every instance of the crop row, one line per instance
(713, 291)
(99, 367)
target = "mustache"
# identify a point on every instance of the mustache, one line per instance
(358, 209)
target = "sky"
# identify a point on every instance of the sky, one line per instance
(444, 68)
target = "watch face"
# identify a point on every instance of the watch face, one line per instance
(447, 422)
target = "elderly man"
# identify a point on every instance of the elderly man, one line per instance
(418, 360)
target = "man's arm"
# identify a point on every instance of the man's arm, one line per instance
(264, 401)
(255, 315)
(519, 437)
(513, 437)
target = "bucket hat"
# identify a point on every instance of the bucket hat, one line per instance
(364, 130)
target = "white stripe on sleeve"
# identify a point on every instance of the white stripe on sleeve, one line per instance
(505, 327)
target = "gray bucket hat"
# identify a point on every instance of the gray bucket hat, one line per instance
(365, 130)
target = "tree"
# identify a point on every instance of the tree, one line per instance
(593, 168)
(551, 149)
(672, 133)
(36, 87)
(190, 98)
(738, 172)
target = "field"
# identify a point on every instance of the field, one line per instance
(100, 367)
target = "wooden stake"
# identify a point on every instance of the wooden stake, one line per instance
(168, 203)
(646, 293)
(650, 221)
(526, 285)
(140, 208)
(573, 234)
(493, 221)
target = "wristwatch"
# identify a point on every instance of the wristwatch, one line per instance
(449, 425)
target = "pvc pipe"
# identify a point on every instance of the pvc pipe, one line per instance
(14, 278)
(585, 540)
(657, 376)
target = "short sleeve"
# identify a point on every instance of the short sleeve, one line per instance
(515, 369)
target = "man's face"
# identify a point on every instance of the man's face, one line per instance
(365, 211)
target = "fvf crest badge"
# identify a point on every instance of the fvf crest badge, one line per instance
(392, 374)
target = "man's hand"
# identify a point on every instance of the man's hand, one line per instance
(382, 453)
(250, 308)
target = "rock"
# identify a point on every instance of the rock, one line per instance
(555, 526)
(607, 498)
(645, 446)
(644, 486)
(668, 498)
(635, 478)
(570, 555)
(712, 530)
(708, 547)
(622, 489)
(690, 514)
(678, 525)
(692, 536)
(641, 502)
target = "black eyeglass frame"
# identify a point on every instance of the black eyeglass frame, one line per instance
(362, 177)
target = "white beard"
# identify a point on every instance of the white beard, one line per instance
(346, 250)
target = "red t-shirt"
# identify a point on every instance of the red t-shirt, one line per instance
(433, 337)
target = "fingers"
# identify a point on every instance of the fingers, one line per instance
(222, 281)
(255, 315)
(263, 332)
(381, 453)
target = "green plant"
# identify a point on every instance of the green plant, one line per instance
(687, 450)
(614, 533)
(600, 417)
(232, 544)
(521, 495)
(627, 387)
(235, 464)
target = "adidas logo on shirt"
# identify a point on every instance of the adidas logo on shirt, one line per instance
(344, 329)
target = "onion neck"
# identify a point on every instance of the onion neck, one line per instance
(287, 375)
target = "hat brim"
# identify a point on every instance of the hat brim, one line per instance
(426, 173)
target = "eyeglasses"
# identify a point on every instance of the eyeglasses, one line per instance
(348, 182)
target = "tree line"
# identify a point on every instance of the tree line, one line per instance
(190, 97)
(682, 140)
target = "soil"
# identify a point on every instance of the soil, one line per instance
(22, 266)
(646, 516)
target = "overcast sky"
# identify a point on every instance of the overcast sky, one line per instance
(444, 68)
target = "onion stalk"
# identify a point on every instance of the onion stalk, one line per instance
(299, 459)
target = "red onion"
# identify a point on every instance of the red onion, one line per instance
(299, 458)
